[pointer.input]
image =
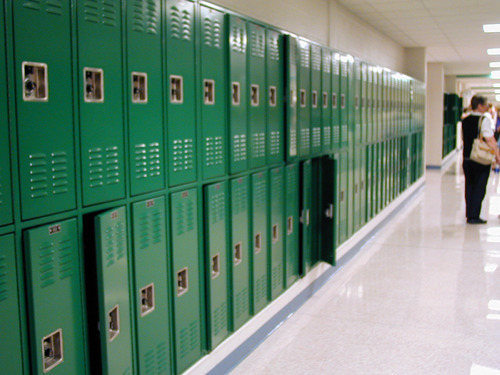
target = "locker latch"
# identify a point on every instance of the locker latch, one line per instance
(215, 266)
(35, 82)
(303, 98)
(258, 243)
(329, 211)
(315, 99)
(114, 323)
(93, 85)
(254, 95)
(209, 91)
(325, 99)
(235, 95)
(272, 96)
(334, 100)
(238, 254)
(139, 87)
(147, 296)
(182, 282)
(176, 90)
(289, 225)
(52, 350)
(275, 233)
(304, 218)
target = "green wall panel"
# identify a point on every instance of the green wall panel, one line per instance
(216, 262)
(54, 299)
(277, 231)
(44, 107)
(11, 358)
(316, 99)
(181, 101)
(152, 314)
(213, 102)
(240, 269)
(292, 216)
(145, 96)
(186, 280)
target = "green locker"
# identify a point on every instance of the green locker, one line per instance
(5, 176)
(292, 214)
(304, 98)
(329, 208)
(237, 66)
(369, 182)
(257, 97)
(326, 106)
(181, 99)
(336, 141)
(379, 177)
(344, 89)
(306, 189)
(152, 313)
(316, 99)
(112, 308)
(291, 72)
(185, 278)
(145, 97)
(240, 265)
(213, 85)
(11, 357)
(259, 240)
(376, 105)
(54, 299)
(363, 185)
(100, 97)
(343, 197)
(356, 104)
(356, 187)
(381, 106)
(43, 109)
(216, 262)
(277, 232)
(316, 216)
(275, 105)
(364, 104)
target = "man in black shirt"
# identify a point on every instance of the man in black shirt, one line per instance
(476, 175)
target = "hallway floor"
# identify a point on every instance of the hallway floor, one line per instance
(421, 298)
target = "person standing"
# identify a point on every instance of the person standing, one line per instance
(476, 175)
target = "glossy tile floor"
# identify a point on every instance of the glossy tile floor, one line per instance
(422, 297)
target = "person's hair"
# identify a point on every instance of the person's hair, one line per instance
(476, 100)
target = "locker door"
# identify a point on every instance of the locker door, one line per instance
(364, 110)
(213, 101)
(335, 101)
(275, 94)
(329, 230)
(216, 259)
(356, 188)
(291, 97)
(363, 185)
(369, 104)
(181, 101)
(11, 358)
(326, 105)
(151, 294)
(343, 198)
(113, 293)
(305, 216)
(259, 238)
(376, 105)
(304, 98)
(54, 299)
(185, 278)
(42, 31)
(292, 214)
(237, 66)
(145, 97)
(357, 101)
(369, 181)
(344, 89)
(277, 232)
(100, 93)
(241, 295)
(316, 99)
(256, 94)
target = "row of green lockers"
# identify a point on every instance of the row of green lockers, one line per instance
(453, 108)
(113, 175)
(150, 287)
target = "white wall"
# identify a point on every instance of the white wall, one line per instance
(325, 22)
(434, 115)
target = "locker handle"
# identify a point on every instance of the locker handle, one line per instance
(215, 266)
(114, 323)
(275, 233)
(52, 350)
(182, 282)
(238, 253)
(258, 243)
(329, 211)
(147, 296)
(307, 217)
(290, 225)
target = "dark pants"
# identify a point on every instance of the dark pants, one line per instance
(476, 179)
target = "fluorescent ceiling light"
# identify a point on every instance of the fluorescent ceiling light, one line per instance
(496, 85)
(492, 28)
(493, 51)
(497, 91)
(497, 98)
(495, 74)
(495, 64)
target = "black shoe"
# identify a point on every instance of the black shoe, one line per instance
(476, 221)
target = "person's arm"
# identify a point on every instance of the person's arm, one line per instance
(491, 141)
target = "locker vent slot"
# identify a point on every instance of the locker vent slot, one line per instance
(147, 296)
(212, 33)
(241, 303)
(52, 350)
(103, 12)
(53, 7)
(176, 90)
(334, 100)
(93, 85)
(275, 143)
(303, 98)
(258, 44)
(114, 323)
(47, 264)
(214, 154)
(189, 336)
(315, 99)
(139, 87)
(327, 135)
(48, 175)
(238, 38)
(325, 99)
(272, 96)
(116, 246)
(220, 318)
(236, 97)
(273, 47)
(275, 233)
(180, 24)
(183, 154)
(238, 253)
(215, 266)
(209, 91)
(258, 243)
(240, 200)
(305, 56)
(182, 282)
(289, 225)
(336, 64)
(316, 58)
(35, 82)
(327, 62)
(147, 160)
(254, 95)
(305, 138)
(4, 286)
(146, 17)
